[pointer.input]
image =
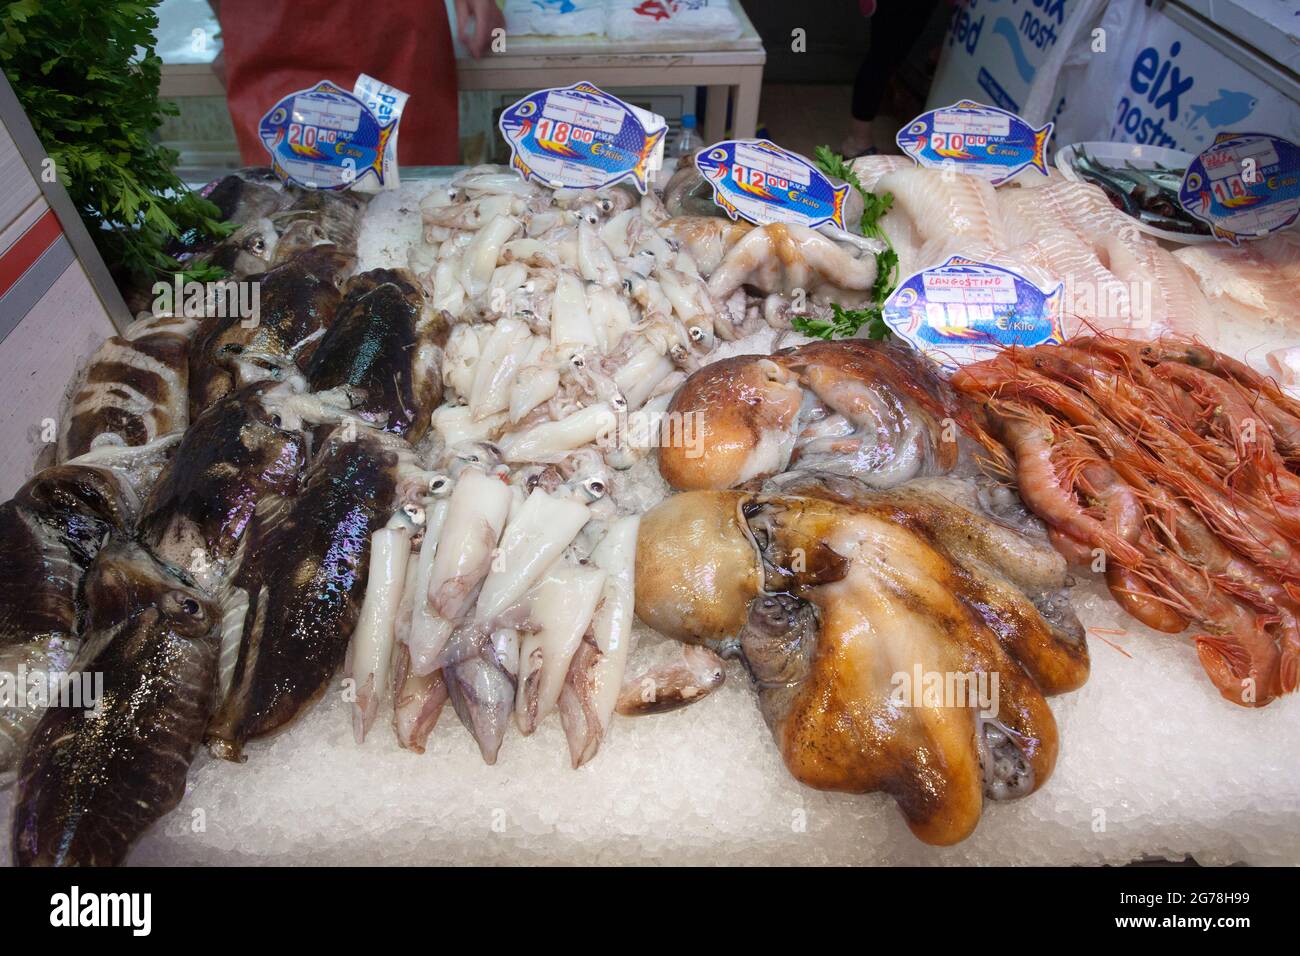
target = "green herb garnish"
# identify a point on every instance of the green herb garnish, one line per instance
(87, 75)
(842, 324)
(846, 322)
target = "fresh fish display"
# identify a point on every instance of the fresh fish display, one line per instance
(475, 473)
(133, 390)
(383, 350)
(296, 303)
(52, 529)
(1148, 195)
(95, 777)
(305, 575)
(233, 456)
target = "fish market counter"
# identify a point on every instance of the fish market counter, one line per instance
(1153, 761)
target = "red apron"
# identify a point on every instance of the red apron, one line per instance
(274, 48)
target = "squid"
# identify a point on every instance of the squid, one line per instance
(839, 606)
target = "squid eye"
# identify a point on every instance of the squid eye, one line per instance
(696, 334)
(190, 607)
(259, 245)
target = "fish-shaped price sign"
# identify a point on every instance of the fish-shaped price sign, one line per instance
(759, 181)
(1245, 185)
(964, 311)
(580, 137)
(972, 138)
(327, 138)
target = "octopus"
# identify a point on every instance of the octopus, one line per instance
(877, 411)
(902, 617)
(840, 600)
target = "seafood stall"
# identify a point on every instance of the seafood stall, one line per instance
(601, 508)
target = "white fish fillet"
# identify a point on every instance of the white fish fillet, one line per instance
(1261, 277)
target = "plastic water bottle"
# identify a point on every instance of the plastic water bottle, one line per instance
(689, 142)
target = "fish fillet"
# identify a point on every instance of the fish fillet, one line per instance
(1260, 277)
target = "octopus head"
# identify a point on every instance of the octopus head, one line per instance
(745, 410)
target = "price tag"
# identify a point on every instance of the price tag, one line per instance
(963, 311)
(973, 138)
(761, 182)
(327, 138)
(580, 137)
(1245, 185)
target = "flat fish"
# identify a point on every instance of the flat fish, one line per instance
(233, 455)
(385, 349)
(93, 779)
(50, 532)
(305, 578)
(296, 302)
(134, 388)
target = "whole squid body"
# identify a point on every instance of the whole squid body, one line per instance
(51, 531)
(94, 779)
(304, 575)
(134, 388)
(841, 610)
(296, 302)
(383, 353)
(234, 455)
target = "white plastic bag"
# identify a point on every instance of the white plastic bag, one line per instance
(652, 20)
(555, 18)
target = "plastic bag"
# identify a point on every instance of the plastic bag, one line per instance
(558, 18)
(672, 20)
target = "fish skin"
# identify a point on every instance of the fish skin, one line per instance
(296, 301)
(382, 346)
(230, 458)
(92, 781)
(306, 577)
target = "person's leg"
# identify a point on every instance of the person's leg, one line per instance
(895, 28)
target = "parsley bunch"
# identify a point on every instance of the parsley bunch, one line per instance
(846, 322)
(87, 75)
